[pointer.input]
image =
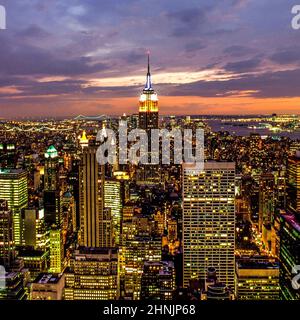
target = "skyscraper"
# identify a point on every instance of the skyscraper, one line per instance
(112, 201)
(293, 174)
(90, 190)
(148, 110)
(289, 247)
(148, 120)
(52, 196)
(14, 189)
(51, 169)
(6, 235)
(209, 221)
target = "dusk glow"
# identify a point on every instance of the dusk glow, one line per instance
(233, 57)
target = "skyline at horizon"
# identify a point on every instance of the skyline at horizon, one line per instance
(65, 59)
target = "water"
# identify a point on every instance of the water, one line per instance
(241, 129)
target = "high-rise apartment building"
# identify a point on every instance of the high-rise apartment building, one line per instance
(209, 221)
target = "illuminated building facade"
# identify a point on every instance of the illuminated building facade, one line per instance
(91, 193)
(158, 281)
(293, 174)
(7, 250)
(148, 110)
(139, 243)
(148, 119)
(209, 221)
(113, 201)
(48, 286)
(266, 200)
(83, 140)
(56, 251)
(35, 234)
(51, 169)
(14, 189)
(257, 279)
(36, 261)
(92, 275)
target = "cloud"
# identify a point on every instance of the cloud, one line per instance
(243, 66)
(238, 51)
(31, 60)
(288, 56)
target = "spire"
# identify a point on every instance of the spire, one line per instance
(148, 85)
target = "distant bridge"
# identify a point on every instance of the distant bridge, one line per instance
(93, 118)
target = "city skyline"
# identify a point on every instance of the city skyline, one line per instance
(64, 59)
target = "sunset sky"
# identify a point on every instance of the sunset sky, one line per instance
(70, 57)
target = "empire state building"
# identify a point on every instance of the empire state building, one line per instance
(148, 110)
(148, 120)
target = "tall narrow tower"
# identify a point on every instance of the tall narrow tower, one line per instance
(148, 120)
(148, 110)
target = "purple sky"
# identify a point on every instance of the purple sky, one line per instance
(65, 57)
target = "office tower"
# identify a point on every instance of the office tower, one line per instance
(139, 243)
(293, 183)
(158, 281)
(289, 233)
(14, 189)
(266, 200)
(257, 279)
(289, 255)
(209, 221)
(91, 189)
(52, 207)
(7, 247)
(213, 289)
(48, 286)
(56, 250)
(35, 233)
(92, 275)
(52, 195)
(51, 169)
(113, 201)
